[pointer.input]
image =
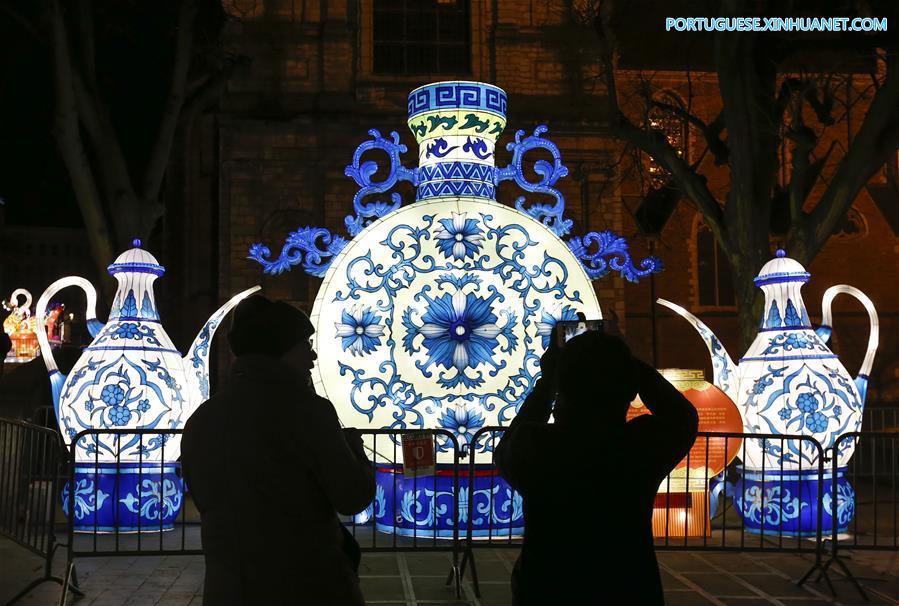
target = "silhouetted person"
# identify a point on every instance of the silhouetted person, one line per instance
(590, 479)
(5, 346)
(269, 468)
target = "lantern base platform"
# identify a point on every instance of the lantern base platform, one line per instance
(422, 507)
(787, 502)
(124, 497)
(681, 514)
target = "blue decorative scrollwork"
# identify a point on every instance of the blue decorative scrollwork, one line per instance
(87, 498)
(611, 254)
(551, 215)
(313, 247)
(362, 172)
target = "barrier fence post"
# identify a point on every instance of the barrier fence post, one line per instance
(30, 466)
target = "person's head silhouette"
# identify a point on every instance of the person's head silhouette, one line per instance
(272, 328)
(596, 380)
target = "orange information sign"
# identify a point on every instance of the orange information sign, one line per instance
(717, 413)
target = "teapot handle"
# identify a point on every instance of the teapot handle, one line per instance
(56, 378)
(874, 336)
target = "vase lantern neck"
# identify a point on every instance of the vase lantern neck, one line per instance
(456, 125)
(135, 270)
(781, 280)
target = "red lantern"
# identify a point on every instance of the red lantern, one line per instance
(681, 507)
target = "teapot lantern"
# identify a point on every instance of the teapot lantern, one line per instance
(131, 376)
(790, 383)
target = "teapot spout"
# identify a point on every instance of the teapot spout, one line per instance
(725, 371)
(196, 361)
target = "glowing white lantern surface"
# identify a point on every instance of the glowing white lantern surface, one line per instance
(436, 315)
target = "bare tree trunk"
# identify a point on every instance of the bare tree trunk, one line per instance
(72, 148)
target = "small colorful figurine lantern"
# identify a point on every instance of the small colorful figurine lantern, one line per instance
(19, 325)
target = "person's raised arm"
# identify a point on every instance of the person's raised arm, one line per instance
(672, 413)
(519, 448)
(341, 467)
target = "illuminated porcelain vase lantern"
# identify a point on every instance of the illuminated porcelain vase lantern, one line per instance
(129, 377)
(434, 314)
(790, 383)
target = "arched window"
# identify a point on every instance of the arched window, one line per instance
(714, 286)
(676, 130)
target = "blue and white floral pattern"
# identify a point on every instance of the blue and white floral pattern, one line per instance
(463, 421)
(117, 393)
(806, 402)
(154, 498)
(424, 507)
(456, 332)
(460, 332)
(794, 341)
(769, 506)
(460, 237)
(845, 503)
(359, 330)
(88, 498)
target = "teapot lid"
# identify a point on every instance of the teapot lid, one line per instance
(136, 260)
(782, 269)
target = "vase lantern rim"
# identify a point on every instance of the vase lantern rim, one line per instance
(782, 269)
(136, 260)
(457, 95)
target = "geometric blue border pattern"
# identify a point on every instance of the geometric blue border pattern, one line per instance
(457, 95)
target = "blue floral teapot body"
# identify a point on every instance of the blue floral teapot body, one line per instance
(131, 376)
(789, 382)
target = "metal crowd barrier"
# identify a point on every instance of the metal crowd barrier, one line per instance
(880, 418)
(720, 512)
(705, 511)
(30, 467)
(866, 497)
(96, 529)
(411, 513)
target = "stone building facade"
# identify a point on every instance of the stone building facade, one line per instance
(323, 73)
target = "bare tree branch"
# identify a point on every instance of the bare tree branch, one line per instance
(71, 145)
(159, 155)
(711, 132)
(693, 185)
(876, 139)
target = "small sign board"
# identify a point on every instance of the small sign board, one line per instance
(418, 454)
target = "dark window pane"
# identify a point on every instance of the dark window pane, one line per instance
(422, 26)
(388, 27)
(725, 286)
(453, 59)
(389, 58)
(705, 266)
(433, 36)
(421, 58)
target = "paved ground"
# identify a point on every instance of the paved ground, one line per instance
(418, 579)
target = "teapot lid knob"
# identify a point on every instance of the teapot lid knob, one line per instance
(779, 253)
(136, 242)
